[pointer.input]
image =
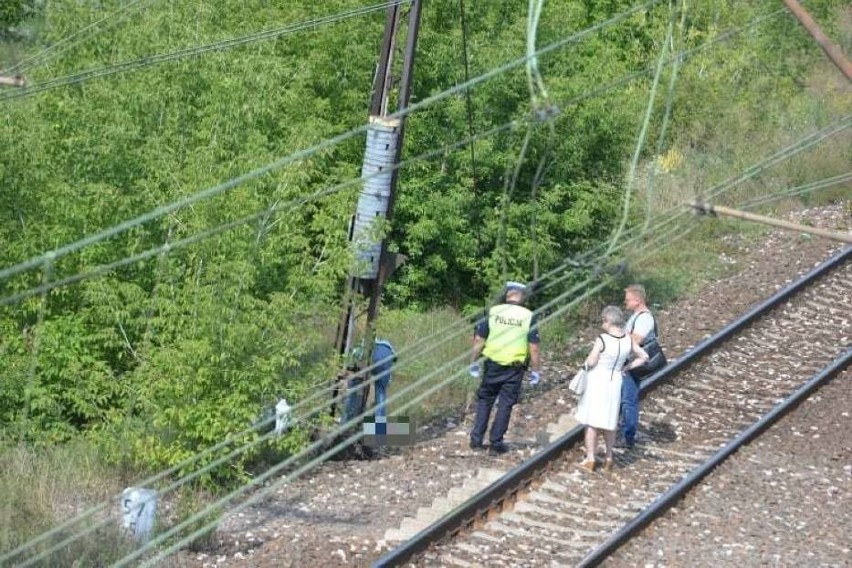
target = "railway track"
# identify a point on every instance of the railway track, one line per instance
(547, 511)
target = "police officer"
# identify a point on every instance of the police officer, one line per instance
(507, 338)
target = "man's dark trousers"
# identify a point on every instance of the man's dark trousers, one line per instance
(501, 382)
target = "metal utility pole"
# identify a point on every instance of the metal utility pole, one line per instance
(714, 210)
(825, 43)
(378, 193)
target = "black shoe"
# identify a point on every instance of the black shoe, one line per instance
(476, 446)
(498, 449)
(620, 442)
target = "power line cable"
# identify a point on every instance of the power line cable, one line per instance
(511, 180)
(809, 141)
(75, 38)
(755, 173)
(640, 142)
(661, 138)
(150, 60)
(476, 211)
(310, 151)
(798, 191)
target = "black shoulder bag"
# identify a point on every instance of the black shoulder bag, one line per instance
(656, 357)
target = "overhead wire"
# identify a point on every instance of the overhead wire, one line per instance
(537, 181)
(476, 210)
(75, 38)
(643, 132)
(312, 150)
(755, 172)
(812, 139)
(37, 331)
(544, 111)
(509, 183)
(661, 138)
(721, 188)
(142, 62)
(798, 190)
(538, 92)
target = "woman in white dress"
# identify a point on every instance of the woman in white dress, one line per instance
(599, 406)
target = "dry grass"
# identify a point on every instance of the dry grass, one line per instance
(40, 488)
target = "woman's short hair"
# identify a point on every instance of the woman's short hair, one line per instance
(613, 315)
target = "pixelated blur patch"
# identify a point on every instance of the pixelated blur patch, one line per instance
(388, 431)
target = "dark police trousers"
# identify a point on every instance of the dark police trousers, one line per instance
(501, 382)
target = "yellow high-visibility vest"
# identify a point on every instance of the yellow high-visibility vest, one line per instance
(508, 328)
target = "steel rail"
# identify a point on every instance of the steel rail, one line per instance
(480, 507)
(667, 499)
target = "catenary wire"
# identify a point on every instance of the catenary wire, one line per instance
(661, 139)
(755, 172)
(721, 188)
(799, 190)
(308, 152)
(75, 38)
(640, 141)
(150, 60)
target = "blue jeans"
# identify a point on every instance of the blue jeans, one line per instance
(355, 399)
(629, 408)
(381, 395)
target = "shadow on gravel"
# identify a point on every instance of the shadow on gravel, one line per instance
(293, 509)
(657, 432)
(661, 432)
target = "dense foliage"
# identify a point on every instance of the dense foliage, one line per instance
(172, 349)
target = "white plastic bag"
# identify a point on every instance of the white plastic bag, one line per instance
(282, 417)
(578, 383)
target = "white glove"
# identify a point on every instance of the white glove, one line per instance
(535, 377)
(474, 370)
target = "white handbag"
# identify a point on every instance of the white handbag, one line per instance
(578, 383)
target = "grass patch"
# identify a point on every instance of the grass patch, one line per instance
(40, 488)
(451, 335)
